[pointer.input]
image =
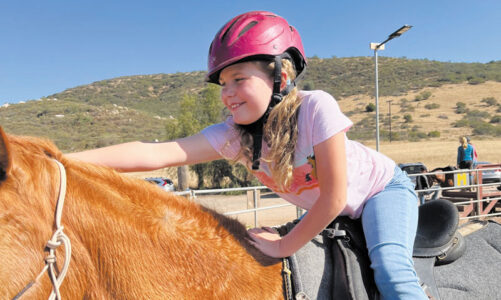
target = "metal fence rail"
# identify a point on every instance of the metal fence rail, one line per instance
(467, 201)
(193, 194)
(474, 194)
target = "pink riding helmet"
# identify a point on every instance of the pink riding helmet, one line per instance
(254, 34)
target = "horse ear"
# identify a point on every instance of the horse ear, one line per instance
(4, 155)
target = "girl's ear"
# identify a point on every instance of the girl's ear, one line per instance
(285, 80)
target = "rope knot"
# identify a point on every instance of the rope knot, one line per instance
(50, 259)
(57, 239)
(53, 244)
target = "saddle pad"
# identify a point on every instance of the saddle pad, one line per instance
(476, 274)
(311, 268)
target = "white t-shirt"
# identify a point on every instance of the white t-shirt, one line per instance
(319, 119)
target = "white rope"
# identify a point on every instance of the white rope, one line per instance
(58, 238)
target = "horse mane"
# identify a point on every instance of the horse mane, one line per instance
(121, 227)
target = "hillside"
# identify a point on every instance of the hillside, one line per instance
(136, 107)
(437, 113)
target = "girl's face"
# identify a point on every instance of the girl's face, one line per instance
(246, 91)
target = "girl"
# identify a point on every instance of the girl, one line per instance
(295, 143)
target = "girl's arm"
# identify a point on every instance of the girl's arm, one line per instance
(330, 157)
(145, 156)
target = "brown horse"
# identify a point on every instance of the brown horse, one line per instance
(130, 240)
(444, 179)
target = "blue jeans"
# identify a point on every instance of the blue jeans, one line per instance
(390, 221)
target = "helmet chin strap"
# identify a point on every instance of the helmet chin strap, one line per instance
(256, 128)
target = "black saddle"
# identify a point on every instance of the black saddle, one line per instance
(437, 241)
(340, 252)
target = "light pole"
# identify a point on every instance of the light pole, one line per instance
(389, 115)
(376, 47)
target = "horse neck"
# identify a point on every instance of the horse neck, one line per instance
(129, 239)
(130, 229)
(104, 201)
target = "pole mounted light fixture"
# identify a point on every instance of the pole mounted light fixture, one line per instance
(376, 47)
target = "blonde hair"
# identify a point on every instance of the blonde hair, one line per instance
(280, 131)
(464, 142)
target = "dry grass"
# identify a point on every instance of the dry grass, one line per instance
(438, 153)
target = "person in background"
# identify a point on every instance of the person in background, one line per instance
(475, 155)
(465, 154)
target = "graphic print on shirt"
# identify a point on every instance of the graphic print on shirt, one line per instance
(313, 163)
(304, 177)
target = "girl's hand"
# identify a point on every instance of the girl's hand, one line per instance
(267, 240)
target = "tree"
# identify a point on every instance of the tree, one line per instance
(196, 113)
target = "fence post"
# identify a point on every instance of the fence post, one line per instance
(299, 211)
(253, 199)
(479, 194)
(182, 178)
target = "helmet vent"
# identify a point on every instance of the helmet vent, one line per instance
(228, 30)
(247, 27)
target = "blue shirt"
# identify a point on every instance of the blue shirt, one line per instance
(465, 154)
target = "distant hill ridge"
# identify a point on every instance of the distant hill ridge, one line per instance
(135, 107)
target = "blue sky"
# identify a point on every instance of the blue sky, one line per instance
(49, 46)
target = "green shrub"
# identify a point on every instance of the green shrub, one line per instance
(408, 118)
(477, 114)
(423, 96)
(432, 106)
(461, 107)
(476, 80)
(415, 136)
(496, 119)
(370, 107)
(395, 136)
(461, 123)
(434, 133)
(490, 101)
(484, 128)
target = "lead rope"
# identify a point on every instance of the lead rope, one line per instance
(58, 238)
